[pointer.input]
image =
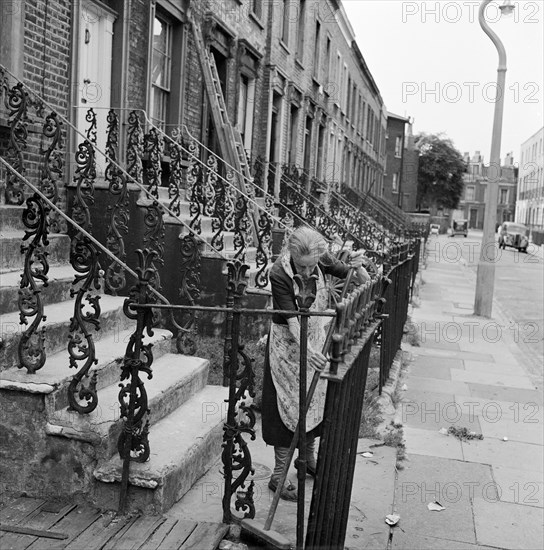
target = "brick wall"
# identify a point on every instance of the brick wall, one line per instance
(47, 50)
(138, 54)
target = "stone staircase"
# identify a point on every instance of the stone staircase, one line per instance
(46, 449)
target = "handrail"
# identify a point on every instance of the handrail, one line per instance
(115, 163)
(79, 228)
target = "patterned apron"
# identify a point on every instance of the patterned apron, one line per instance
(285, 359)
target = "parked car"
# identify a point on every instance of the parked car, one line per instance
(459, 227)
(513, 234)
(434, 229)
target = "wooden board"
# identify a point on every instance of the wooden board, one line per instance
(40, 520)
(178, 535)
(206, 536)
(19, 509)
(99, 533)
(138, 532)
(75, 523)
(154, 542)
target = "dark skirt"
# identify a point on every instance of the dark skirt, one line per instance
(274, 430)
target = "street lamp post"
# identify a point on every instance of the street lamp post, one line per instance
(485, 279)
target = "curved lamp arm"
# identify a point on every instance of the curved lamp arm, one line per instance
(494, 38)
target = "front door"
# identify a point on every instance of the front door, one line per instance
(94, 74)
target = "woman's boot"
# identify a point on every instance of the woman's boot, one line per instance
(288, 491)
(311, 464)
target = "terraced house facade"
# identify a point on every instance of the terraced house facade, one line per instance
(197, 133)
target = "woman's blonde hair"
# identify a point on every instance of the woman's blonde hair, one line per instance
(304, 241)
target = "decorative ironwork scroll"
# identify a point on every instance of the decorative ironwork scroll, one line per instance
(176, 172)
(236, 456)
(194, 188)
(31, 348)
(264, 243)
(115, 279)
(84, 257)
(16, 101)
(135, 147)
(213, 191)
(189, 292)
(133, 442)
(154, 147)
(241, 228)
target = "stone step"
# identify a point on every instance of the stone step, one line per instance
(57, 290)
(11, 218)
(112, 321)
(54, 378)
(10, 250)
(183, 445)
(176, 378)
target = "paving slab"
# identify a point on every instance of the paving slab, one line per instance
(507, 525)
(437, 371)
(438, 418)
(493, 411)
(503, 453)
(441, 386)
(519, 485)
(427, 479)
(514, 430)
(424, 349)
(512, 368)
(492, 378)
(429, 443)
(497, 393)
(405, 541)
(429, 361)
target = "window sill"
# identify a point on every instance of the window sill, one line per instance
(316, 81)
(284, 46)
(298, 62)
(256, 19)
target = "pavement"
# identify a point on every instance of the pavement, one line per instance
(466, 372)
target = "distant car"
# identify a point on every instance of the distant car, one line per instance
(459, 227)
(513, 234)
(434, 229)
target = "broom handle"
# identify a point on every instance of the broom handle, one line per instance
(294, 440)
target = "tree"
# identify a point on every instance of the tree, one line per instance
(440, 172)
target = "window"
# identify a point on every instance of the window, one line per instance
(300, 37)
(292, 149)
(504, 196)
(348, 99)
(317, 49)
(398, 146)
(246, 102)
(469, 193)
(285, 22)
(161, 71)
(307, 143)
(395, 183)
(257, 8)
(326, 67)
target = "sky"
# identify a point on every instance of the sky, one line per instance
(432, 62)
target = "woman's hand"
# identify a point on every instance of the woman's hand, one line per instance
(316, 360)
(356, 259)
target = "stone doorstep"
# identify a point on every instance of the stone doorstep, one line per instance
(10, 249)
(176, 378)
(55, 376)
(183, 445)
(112, 322)
(11, 218)
(57, 290)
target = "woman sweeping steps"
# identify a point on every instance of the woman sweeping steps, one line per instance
(305, 254)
